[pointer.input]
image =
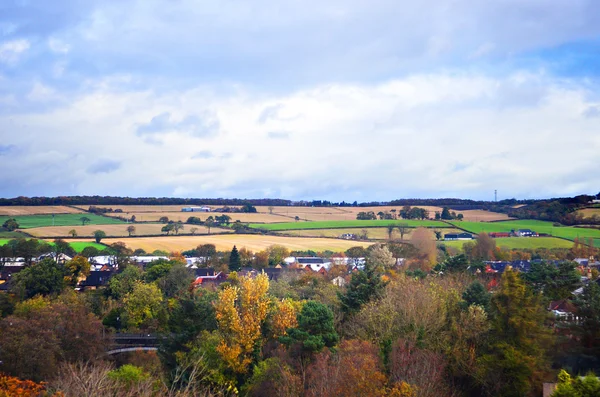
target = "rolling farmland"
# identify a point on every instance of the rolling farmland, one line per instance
(226, 242)
(31, 221)
(346, 224)
(521, 242)
(566, 232)
(183, 216)
(19, 210)
(375, 233)
(143, 229)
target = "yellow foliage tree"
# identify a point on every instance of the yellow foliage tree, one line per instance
(285, 317)
(240, 312)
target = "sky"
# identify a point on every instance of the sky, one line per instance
(338, 100)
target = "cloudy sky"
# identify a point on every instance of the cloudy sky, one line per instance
(341, 100)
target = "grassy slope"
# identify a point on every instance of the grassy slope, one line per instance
(78, 246)
(345, 224)
(521, 242)
(567, 232)
(29, 221)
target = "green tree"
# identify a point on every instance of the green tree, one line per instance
(364, 286)
(554, 282)
(315, 329)
(168, 228)
(588, 386)
(438, 235)
(84, 220)
(247, 207)
(210, 222)
(73, 233)
(476, 294)
(177, 227)
(45, 278)
(588, 305)
(10, 224)
(446, 214)
(454, 264)
(163, 219)
(99, 235)
(122, 283)
(142, 307)
(235, 263)
(517, 357)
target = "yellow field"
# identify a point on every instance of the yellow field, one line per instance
(183, 216)
(483, 216)
(151, 213)
(113, 230)
(375, 233)
(226, 242)
(37, 210)
(588, 212)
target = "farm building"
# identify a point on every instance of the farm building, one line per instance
(458, 236)
(525, 233)
(498, 234)
(195, 209)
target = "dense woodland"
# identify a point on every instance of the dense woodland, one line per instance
(437, 325)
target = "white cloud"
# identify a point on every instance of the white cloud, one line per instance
(10, 51)
(423, 135)
(58, 46)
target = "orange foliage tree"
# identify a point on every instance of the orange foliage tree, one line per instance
(11, 386)
(240, 312)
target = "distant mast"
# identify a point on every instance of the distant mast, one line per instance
(496, 195)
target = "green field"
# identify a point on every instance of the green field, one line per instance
(521, 242)
(29, 221)
(78, 246)
(344, 224)
(567, 232)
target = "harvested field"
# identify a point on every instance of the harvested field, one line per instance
(37, 210)
(346, 224)
(589, 212)
(183, 216)
(138, 208)
(483, 216)
(374, 233)
(226, 242)
(115, 230)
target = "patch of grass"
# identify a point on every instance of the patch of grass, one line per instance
(345, 224)
(30, 221)
(521, 242)
(78, 246)
(7, 234)
(567, 232)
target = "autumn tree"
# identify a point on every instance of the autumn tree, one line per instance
(423, 240)
(381, 258)
(240, 312)
(73, 233)
(355, 370)
(284, 317)
(77, 268)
